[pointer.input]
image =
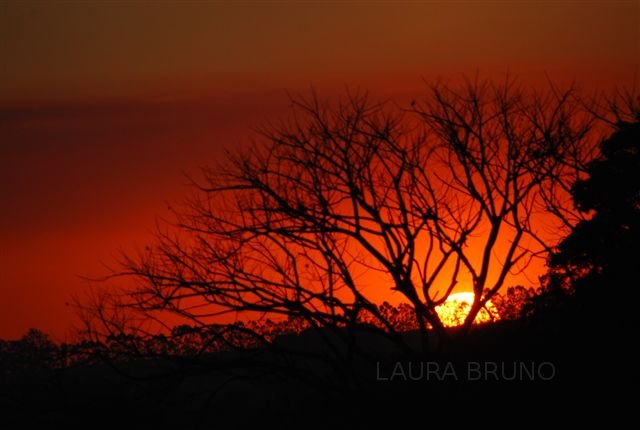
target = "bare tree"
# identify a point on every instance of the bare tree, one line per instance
(342, 201)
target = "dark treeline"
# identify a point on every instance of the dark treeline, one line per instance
(36, 349)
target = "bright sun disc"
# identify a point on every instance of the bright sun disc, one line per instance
(455, 309)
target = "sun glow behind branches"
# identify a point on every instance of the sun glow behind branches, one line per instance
(455, 309)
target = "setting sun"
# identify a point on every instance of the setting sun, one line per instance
(455, 309)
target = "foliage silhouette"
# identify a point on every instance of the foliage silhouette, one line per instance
(599, 258)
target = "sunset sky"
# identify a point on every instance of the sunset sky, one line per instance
(104, 106)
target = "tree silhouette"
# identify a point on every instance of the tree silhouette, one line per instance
(343, 201)
(515, 303)
(33, 350)
(600, 255)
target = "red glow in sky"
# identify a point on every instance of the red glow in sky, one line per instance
(104, 106)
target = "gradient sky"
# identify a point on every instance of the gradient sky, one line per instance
(105, 105)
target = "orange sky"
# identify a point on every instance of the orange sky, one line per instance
(103, 106)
